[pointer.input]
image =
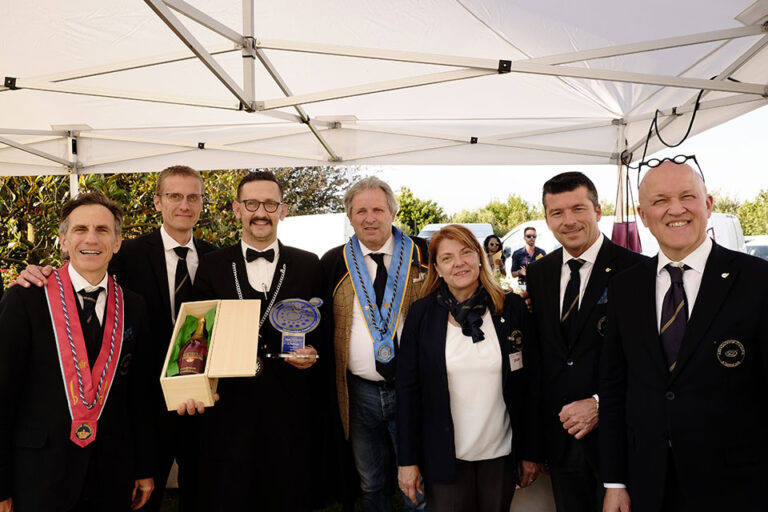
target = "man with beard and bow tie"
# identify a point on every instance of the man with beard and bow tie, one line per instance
(260, 442)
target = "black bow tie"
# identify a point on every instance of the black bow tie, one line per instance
(251, 255)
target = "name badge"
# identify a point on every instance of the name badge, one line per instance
(515, 361)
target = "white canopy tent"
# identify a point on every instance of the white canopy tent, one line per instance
(105, 86)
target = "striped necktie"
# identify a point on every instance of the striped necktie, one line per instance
(674, 315)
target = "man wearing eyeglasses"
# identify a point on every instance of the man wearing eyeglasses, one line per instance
(161, 266)
(568, 295)
(261, 442)
(683, 379)
(525, 255)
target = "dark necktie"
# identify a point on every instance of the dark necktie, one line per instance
(380, 282)
(674, 315)
(183, 283)
(89, 322)
(251, 255)
(379, 285)
(571, 302)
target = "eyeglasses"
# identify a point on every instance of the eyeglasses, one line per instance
(175, 197)
(530, 236)
(252, 205)
(679, 159)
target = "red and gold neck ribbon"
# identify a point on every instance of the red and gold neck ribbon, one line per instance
(87, 389)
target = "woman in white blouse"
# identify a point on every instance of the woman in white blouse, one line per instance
(465, 418)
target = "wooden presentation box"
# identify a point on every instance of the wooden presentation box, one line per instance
(232, 350)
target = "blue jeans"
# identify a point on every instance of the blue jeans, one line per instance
(373, 434)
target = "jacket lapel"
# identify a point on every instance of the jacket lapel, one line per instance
(719, 275)
(645, 291)
(156, 255)
(241, 276)
(553, 295)
(598, 280)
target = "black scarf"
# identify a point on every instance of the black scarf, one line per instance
(468, 314)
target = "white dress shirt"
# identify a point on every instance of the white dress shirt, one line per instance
(481, 426)
(361, 359)
(172, 259)
(80, 283)
(697, 260)
(589, 256)
(260, 271)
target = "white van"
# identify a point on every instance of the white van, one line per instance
(723, 228)
(479, 229)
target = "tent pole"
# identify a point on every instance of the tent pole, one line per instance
(73, 169)
(249, 55)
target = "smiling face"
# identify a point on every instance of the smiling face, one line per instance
(259, 227)
(371, 217)
(572, 218)
(179, 218)
(675, 206)
(459, 267)
(90, 240)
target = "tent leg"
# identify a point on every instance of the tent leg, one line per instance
(72, 184)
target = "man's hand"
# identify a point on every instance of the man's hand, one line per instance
(616, 500)
(527, 300)
(190, 407)
(33, 275)
(579, 418)
(409, 480)
(302, 363)
(521, 271)
(142, 488)
(528, 472)
(6, 505)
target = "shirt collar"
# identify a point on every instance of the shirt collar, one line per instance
(697, 260)
(590, 255)
(170, 244)
(81, 283)
(387, 248)
(274, 245)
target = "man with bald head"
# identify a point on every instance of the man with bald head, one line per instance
(683, 383)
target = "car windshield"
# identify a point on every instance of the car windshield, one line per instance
(761, 251)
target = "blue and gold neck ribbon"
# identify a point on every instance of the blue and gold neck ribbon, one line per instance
(381, 322)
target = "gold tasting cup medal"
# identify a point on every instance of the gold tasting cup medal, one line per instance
(601, 325)
(83, 431)
(517, 339)
(731, 353)
(295, 318)
(385, 353)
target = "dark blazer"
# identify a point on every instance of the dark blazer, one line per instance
(571, 374)
(139, 266)
(40, 467)
(270, 420)
(711, 412)
(425, 433)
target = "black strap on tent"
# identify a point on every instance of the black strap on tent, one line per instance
(10, 83)
(505, 66)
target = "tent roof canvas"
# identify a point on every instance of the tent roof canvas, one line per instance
(140, 85)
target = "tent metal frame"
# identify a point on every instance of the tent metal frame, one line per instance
(254, 49)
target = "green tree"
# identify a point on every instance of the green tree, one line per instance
(415, 213)
(724, 203)
(30, 206)
(607, 207)
(502, 215)
(753, 215)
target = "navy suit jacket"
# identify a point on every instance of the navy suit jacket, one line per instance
(570, 373)
(425, 434)
(711, 412)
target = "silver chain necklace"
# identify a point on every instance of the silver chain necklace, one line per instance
(274, 296)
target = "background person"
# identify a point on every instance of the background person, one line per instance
(525, 255)
(683, 375)
(461, 384)
(492, 246)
